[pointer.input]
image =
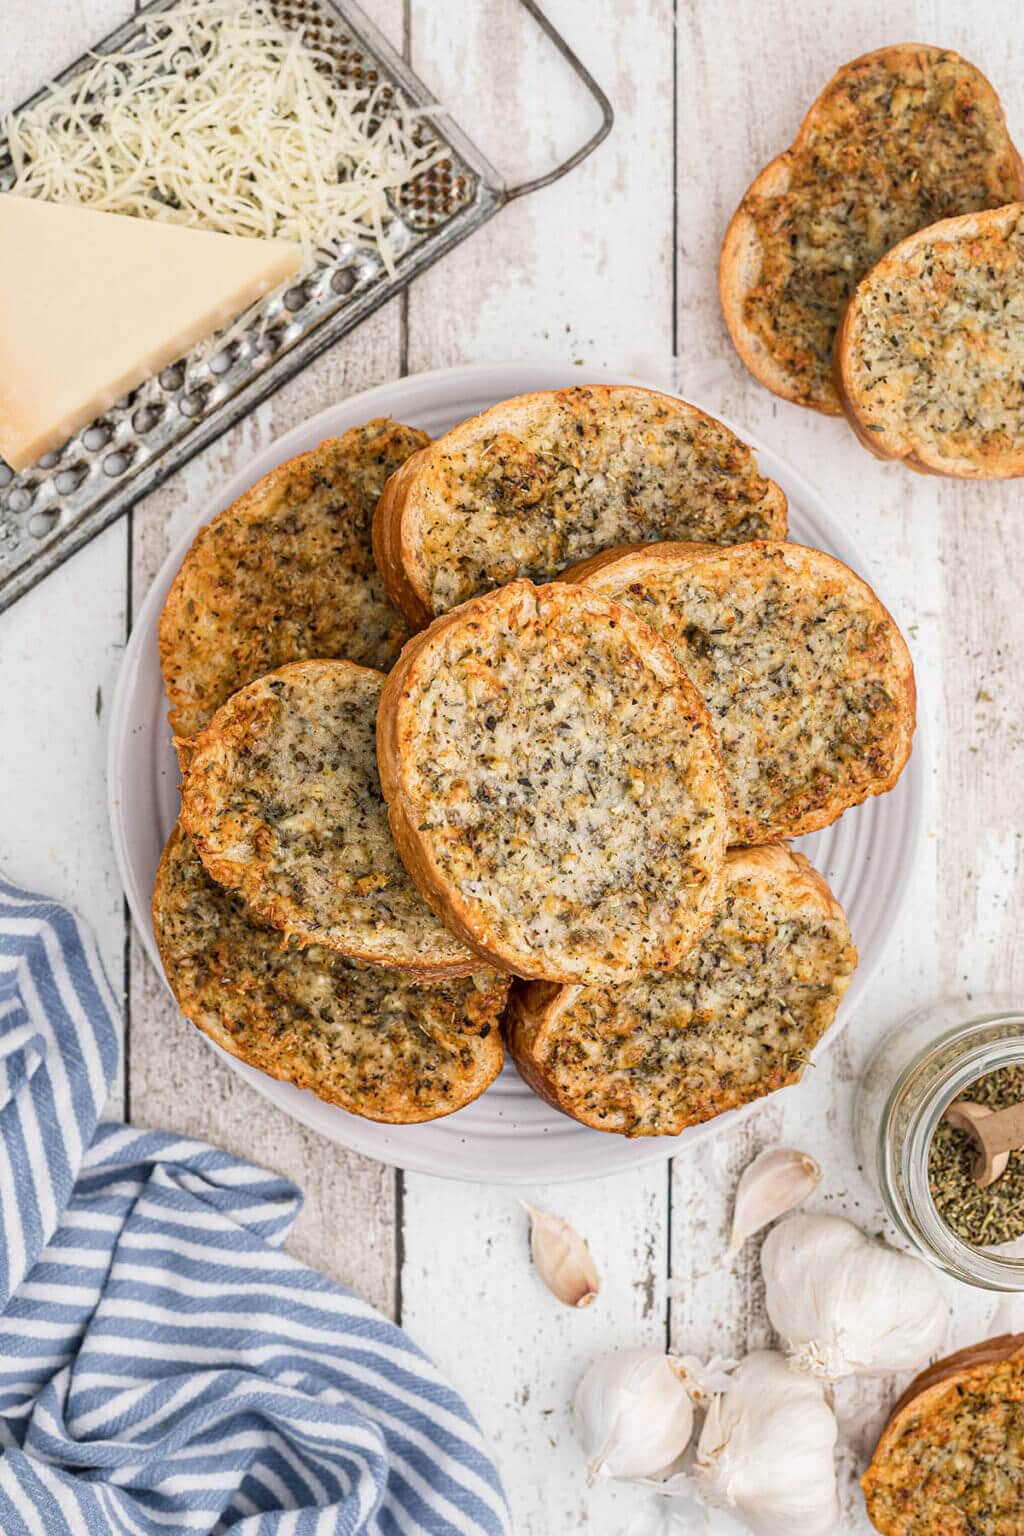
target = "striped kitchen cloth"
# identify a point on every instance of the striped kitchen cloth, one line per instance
(164, 1365)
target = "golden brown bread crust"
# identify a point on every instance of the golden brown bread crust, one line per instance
(553, 785)
(286, 572)
(538, 482)
(807, 679)
(929, 356)
(736, 1020)
(899, 138)
(378, 1043)
(282, 799)
(950, 1461)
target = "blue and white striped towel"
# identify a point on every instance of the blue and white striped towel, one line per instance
(164, 1365)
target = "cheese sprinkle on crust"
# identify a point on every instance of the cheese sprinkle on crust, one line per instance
(373, 1041)
(930, 356)
(951, 1459)
(544, 480)
(807, 679)
(283, 801)
(553, 784)
(736, 1020)
(285, 573)
(897, 140)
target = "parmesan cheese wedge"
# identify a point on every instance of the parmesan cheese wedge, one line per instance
(93, 303)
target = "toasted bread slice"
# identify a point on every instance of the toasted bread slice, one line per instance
(736, 1020)
(539, 482)
(807, 679)
(553, 784)
(282, 799)
(284, 573)
(929, 359)
(377, 1042)
(950, 1461)
(897, 139)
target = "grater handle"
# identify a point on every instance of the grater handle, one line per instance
(582, 73)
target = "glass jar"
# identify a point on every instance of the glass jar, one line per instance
(931, 1058)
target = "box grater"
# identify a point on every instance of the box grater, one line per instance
(56, 506)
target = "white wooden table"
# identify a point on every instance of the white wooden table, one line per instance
(616, 266)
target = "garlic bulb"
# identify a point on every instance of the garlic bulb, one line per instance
(766, 1450)
(845, 1305)
(777, 1179)
(633, 1413)
(562, 1259)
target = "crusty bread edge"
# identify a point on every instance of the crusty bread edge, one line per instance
(535, 1007)
(393, 523)
(739, 263)
(902, 670)
(209, 1026)
(887, 446)
(393, 747)
(927, 1390)
(210, 746)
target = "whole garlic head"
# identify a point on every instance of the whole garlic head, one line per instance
(634, 1415)
(845, 1305)
(766, 1450)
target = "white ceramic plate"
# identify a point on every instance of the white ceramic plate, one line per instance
(508, 1136)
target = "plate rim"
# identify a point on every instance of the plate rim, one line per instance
(531, 375)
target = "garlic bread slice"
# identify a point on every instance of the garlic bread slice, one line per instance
(283, 801)
(806, 677)
(737, 1019)
(544, 480)
(929, 358)
(951, 1458)
(553, 784)
(897, 139)
(285, 573)
(377, 1042)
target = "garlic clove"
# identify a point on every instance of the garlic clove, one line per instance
(778, 1179)
(634, 1414)
(562, 1259)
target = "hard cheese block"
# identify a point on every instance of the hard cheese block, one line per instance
(93, 303)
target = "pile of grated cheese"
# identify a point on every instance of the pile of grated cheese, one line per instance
(223, 119)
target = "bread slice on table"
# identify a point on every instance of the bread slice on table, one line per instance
(282, 798)
(286, 572)
(806, 677)
(897, 139)
(949, 1461)
(544, 480)
(929, 359)
(553, 784)
(736, 1020)
(377, 1042)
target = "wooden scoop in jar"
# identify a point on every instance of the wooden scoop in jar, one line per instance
(997, 1132)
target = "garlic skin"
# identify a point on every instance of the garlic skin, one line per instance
(633, 1414)
(562, 1259)
(777, 1180)
(845, 1305)
(766, 1450)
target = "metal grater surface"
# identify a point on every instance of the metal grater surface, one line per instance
(51, 509)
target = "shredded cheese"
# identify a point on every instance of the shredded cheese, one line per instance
(223, 119)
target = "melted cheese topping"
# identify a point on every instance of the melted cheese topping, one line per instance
(957, 1470)
(937, 339)
(895, 143)
(564, 784)
(586, 471)
(796, 661)
(283, 798)
(736, 1020)
(368, 1039)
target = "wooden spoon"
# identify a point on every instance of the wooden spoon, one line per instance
(998, 1132)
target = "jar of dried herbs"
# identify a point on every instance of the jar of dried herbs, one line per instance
(924, 1167)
